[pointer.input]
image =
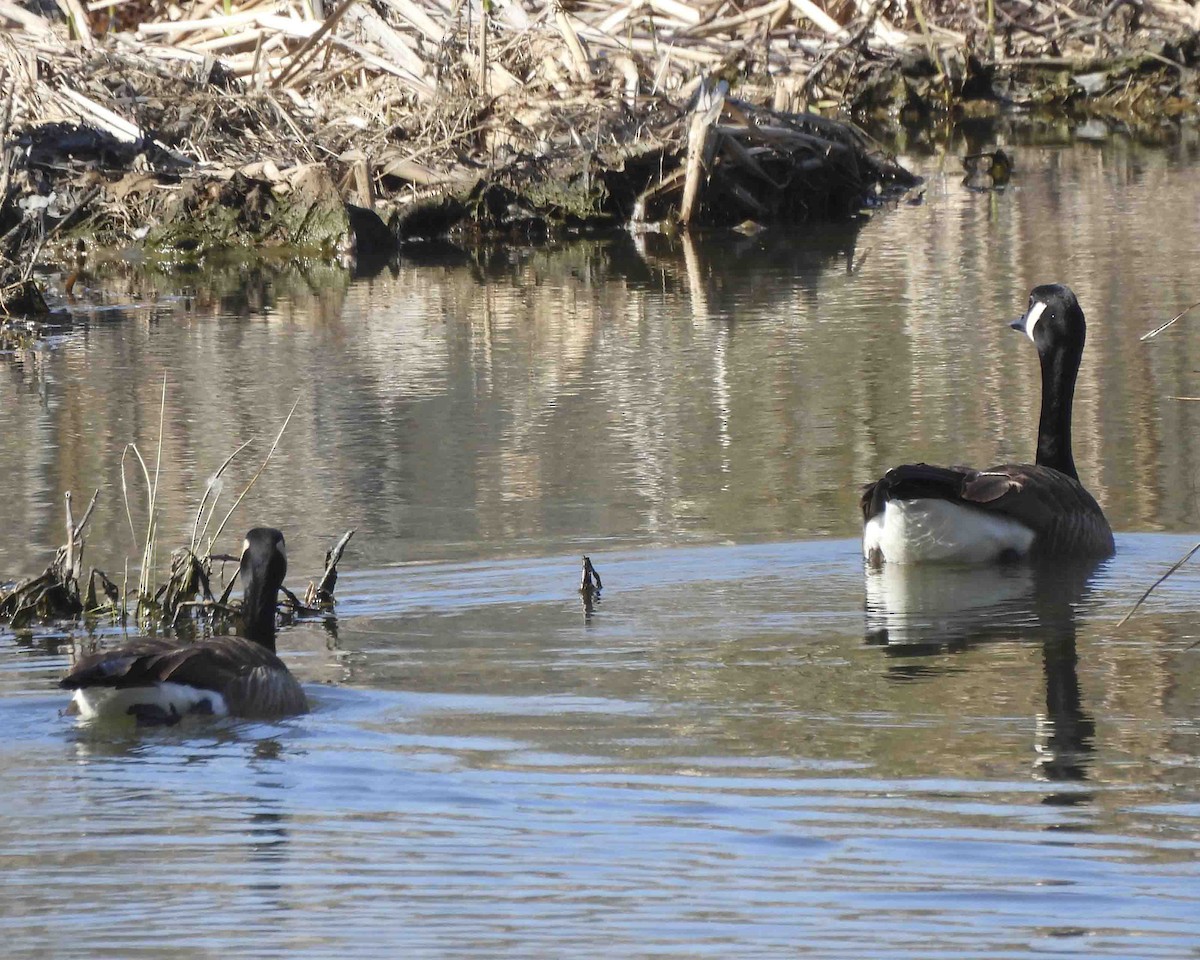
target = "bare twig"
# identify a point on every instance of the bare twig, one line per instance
(1157, 330)
(1142, 599)
(69, 569)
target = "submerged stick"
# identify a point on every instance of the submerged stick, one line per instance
(590, 585)
(303, 607)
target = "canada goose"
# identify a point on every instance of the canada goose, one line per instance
(159, 680)
(920, 513)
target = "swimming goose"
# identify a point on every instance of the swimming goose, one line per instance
(159, 680)
(920, 513)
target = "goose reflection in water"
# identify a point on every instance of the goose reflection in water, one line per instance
(915, 611)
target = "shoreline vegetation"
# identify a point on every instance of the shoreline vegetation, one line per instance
(64, 593)
(360, 125)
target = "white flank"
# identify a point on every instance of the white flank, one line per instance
(1032, 318)
(933, 531)
(109, 702)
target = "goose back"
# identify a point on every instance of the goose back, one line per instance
(1063, 518)
(249, 679)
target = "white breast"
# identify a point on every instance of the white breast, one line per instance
(109, 702)
(931, 531)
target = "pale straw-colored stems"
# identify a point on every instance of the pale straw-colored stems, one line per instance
(148, 546)
(197, 532)
(257, 474)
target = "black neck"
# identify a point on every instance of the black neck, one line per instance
(258, 615)
(1059, 369)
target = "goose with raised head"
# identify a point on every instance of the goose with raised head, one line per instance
(160, 680)
(919, 513)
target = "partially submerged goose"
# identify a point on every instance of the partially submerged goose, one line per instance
(920, 513)
(159, 680)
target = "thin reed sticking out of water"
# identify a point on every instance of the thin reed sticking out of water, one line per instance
(1150, 589)
(1157, 330)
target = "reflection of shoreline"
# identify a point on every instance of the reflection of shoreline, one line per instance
(917, 611)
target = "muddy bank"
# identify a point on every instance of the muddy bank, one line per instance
(188, 129)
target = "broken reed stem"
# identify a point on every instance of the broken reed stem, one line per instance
(708, 108)
(87, 514)
(579, 59)
(70, 565)
(1142, 599)
(332, 559)
(258, 473)
(308, 48)
(1157, 330)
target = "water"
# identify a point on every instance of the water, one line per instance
(749, 748)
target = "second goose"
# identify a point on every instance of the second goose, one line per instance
(158, 680)
(920, 513)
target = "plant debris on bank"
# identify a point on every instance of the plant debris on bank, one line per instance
(322, 125)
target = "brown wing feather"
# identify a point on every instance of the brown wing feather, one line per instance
(1063, 516)
(265, 692)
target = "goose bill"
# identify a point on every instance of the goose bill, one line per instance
(1028, 323)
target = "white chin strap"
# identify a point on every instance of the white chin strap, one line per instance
(1032, 318)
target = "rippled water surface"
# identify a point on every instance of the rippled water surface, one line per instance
(749, 748)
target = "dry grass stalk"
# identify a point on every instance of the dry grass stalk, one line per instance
(258, 473)
(1159, 329)
(1150, 589)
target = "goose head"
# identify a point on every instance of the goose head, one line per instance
(263, 567)
(1054, 320)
